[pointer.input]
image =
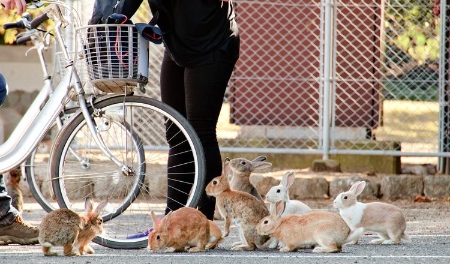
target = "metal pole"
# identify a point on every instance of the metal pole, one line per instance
(444, 65)
(327, 79)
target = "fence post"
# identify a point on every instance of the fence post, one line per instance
(328, 38)
(444, 87)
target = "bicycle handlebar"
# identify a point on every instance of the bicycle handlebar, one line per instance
(23, 40)
(18, 24)
(39, 20)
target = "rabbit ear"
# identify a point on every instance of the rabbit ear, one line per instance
(100, 207)
(259, 158)
(88, 205)
(288, 179)
(353, 188)
(260, 165)
(359, 187)
(166, 221)
(226, 167)
(279, 208)
(154, 219)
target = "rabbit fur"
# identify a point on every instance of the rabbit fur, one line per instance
(281, 193)
(184, 228)
(215, 235)
(384, 219)
(64, 227)
(14, 190)
(324, 230)
(245, 209)
(241, 169)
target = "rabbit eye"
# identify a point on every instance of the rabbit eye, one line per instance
(345, 197)
(243, 162)
(158, 237)
(214, 182)
(266, 222)
(278, 191)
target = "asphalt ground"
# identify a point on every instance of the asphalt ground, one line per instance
(428, 225)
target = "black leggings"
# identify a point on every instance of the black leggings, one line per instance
(197, 93)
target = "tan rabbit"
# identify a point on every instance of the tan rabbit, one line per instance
(180, 229)
(245, 209)
(14, 190)
(385, 219)
(215, 235)
(241, 169)
(64, 227)
(325, 230)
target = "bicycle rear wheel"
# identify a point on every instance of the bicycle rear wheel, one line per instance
(134, 128)
(36, 174)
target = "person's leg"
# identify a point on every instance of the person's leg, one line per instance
(7, 212)
(205, 88)
(197, 93)
(172, 93)
(13, 230)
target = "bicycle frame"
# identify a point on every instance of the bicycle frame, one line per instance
(43, 113)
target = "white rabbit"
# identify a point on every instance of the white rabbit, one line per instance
(384, 219)
(281, 193)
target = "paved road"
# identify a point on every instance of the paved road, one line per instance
(428, 227)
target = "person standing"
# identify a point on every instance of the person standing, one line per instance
(13, 230)
(201, 42)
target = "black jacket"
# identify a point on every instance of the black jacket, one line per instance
(194, 29)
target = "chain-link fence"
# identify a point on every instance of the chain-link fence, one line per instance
(336, 77)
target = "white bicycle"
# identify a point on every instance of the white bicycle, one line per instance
(115, 146)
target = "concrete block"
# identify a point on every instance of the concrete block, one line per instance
(263, 183)
(401, 187)
(326, 165)
(437, 186)
(309, 188)
(339, 185)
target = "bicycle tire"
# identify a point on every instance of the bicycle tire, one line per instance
(35, 169)
(137, 116)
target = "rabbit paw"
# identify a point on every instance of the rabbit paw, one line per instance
(286, 249)
(389, 242)
(377, 242)
(243, 247)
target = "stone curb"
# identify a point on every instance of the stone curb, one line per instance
(313, 185)
(385, 187)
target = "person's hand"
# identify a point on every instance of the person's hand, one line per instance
(20, 5)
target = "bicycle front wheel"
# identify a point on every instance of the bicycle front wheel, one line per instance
(138, 131)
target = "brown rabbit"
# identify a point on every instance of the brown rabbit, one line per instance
(215, 235)
(64, 227)
(180, 229)
(241, 170)
(14, 190)
(325, 229)
(245, 209)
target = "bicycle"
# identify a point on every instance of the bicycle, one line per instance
(114, 159)
(31, 168)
